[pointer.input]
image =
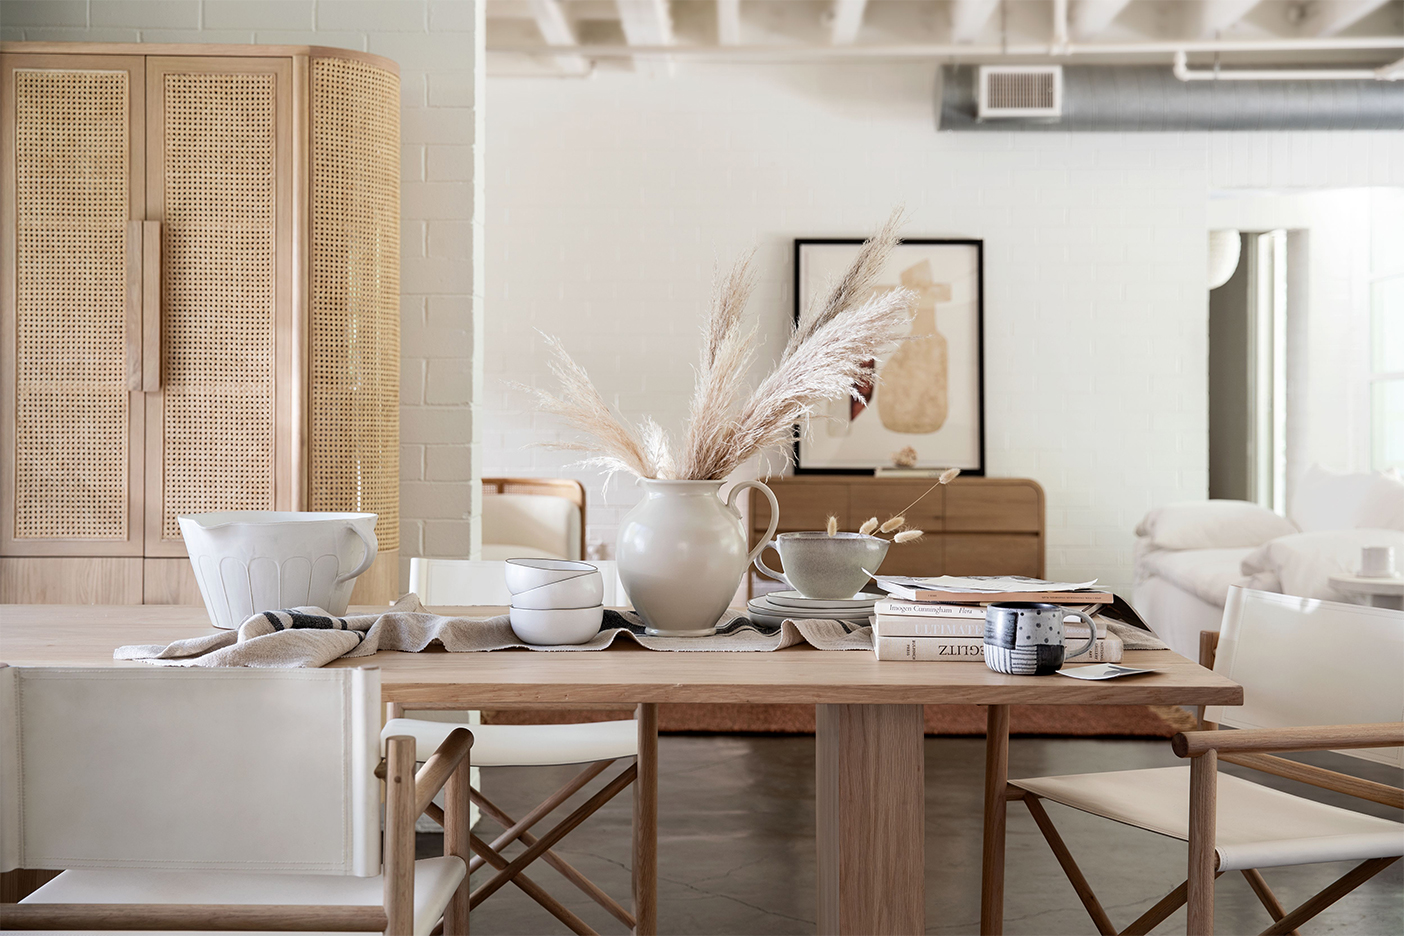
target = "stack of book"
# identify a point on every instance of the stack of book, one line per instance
(934, 624)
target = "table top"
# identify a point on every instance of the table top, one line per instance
(625, 674)
(1368, 585)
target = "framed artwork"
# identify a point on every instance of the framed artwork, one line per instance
(924, 405)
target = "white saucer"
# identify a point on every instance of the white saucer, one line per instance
(762, 616)
(793, 599)
(762, 606)
(1377, 577)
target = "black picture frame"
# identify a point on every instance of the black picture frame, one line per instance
(978, 246)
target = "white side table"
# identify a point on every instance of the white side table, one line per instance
(1377, 592)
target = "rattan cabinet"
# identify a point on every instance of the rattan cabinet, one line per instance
(200, 305)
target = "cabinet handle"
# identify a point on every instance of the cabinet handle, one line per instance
(151, 305)
(131, 336)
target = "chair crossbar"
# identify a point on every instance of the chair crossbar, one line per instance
(1329, 894)
(278, 917)
(533, 890)
(563, 867)
(559, 831)
(512, 830)
(1266, 896)
(1162, 909)
(1065, 859)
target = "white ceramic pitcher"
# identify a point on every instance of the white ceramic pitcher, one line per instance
(682, 552)
(248, 561)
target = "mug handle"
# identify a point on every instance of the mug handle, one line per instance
(371, 544)
(1091, 625)
(767, 570)
(754, 555)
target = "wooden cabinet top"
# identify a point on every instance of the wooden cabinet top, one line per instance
(193, 48)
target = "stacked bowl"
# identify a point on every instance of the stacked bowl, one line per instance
(555, 601)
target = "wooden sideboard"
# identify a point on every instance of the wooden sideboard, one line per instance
(974, 526)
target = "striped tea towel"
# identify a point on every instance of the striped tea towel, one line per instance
(310, 637)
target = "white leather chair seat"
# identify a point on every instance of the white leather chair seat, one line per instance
(435, 880)
(1257, 827)
(526, 745)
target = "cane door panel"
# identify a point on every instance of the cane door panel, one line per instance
(70, 406)
(219, 184)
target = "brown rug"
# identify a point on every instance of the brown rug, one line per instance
(1075, 721)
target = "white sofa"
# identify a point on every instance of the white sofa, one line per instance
(1188, 554)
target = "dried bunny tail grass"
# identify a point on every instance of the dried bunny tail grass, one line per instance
(826, 366)
(869, 525)
(907, 536)
(832, 526)
(584, 410)
(854, 286)
(949, 475)
(726, 358)
(896, 523)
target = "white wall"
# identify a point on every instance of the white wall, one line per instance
(438, 46)
(612, 199)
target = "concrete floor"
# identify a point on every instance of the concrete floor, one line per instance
(736, 846)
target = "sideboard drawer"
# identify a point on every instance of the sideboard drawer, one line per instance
(993, 553)
(989, 507)
(803, 507)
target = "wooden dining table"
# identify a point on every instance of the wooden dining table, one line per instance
(870, 784)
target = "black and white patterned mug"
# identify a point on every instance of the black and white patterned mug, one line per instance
(1025, 638)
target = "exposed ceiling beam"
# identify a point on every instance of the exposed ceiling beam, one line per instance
(1207, 17)
(848, 19)
(1088, 18)
(968, 18)
(556, 30)
(647, 23)
(1327, 19)
(729, 22)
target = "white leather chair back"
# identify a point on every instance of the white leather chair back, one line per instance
(541, 523)
(483, 582)
(210, 769)
(1307, 662)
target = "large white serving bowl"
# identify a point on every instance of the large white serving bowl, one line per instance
(526, 574)
(579, 591)
(557, 626)
(247, 561)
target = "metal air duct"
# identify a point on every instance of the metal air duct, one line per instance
(1151, 98)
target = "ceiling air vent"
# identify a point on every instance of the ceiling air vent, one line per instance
(1020, 91)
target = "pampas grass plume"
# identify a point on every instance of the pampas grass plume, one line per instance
(896, 523)
(906, 536)
(869, 525)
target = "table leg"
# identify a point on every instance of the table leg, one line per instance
(996, 777)
(870, 819)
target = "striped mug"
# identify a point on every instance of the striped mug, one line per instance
(1025, 638)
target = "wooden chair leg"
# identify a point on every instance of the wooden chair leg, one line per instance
(1202, 823)
(534, 890)
(513, 829)
(1329, 895)
(645, 864)
(458, 835)
(1075, 877)
(1266, 896)
(398, 866)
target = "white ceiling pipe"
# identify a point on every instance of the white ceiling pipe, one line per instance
(1090, 17)
(968, 18)
(968, 52)
(729, 22)
(1184, 73)
(848, 20)
(1060, 25)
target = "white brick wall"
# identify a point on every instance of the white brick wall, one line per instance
(611, 200)
(438, 45)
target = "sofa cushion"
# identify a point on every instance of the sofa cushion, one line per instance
(1212, 524)
(1333, 500)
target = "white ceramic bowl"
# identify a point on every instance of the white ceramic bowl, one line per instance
(558, 626)
(579, 591)
(526, 574)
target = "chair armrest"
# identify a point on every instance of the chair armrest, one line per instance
(1315, 738)
(441, 764)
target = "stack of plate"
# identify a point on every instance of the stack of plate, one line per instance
(777, 606)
